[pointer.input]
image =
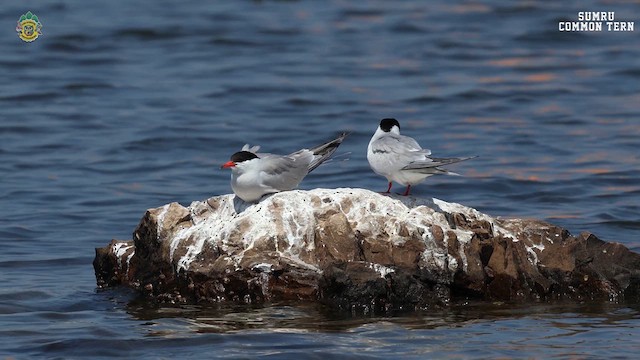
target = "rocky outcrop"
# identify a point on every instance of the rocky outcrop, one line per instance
(354, 247)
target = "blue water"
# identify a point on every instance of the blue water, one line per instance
(122, 106)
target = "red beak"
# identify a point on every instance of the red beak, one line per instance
(228, 164)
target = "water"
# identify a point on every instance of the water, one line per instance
(123, 106)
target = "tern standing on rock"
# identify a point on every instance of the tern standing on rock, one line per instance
(254, 175)
(401, 159)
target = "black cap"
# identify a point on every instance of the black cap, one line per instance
(387, 124)
(241, 156)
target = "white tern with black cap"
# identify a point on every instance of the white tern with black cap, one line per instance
(401, 159)
(254, 175)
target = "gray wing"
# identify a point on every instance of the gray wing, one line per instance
(431, 163)
(285, 172)
(254, 149)
(400, 149)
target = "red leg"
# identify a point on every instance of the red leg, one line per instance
(389, 188)
(406, 193)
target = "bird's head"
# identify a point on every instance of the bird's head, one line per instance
(239, 158)
(390, 125)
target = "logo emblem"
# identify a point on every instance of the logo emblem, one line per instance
(29, 27)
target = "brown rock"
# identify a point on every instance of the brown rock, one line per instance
(355, 247)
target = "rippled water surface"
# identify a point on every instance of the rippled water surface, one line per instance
(125, 105)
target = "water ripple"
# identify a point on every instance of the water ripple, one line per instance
(116, 109)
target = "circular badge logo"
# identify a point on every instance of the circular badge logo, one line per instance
(29, 27)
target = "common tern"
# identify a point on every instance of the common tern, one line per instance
(254, 175)
(401, 159)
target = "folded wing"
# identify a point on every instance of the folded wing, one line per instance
(431, 163)
(285, 172)
(401, 150)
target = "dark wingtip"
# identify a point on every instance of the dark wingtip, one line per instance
(326, 150)
(343, 135)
